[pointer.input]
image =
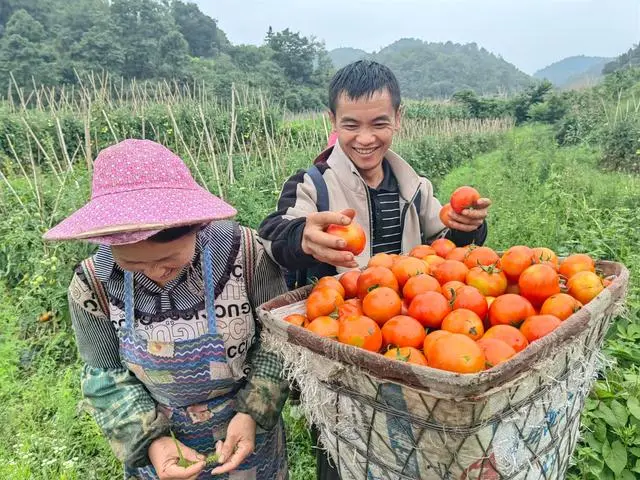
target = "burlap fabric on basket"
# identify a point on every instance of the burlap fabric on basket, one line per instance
(390, 420)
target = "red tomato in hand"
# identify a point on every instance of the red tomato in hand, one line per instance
(463, 198)
(352, 234)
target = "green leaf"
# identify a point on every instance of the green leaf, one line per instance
(611, 417)
(615, 456)
(600, 431)
(607, 475)
(593, 442)
(627, 475)
(636, 469)
(633, 404)
(635, 451)
(621, 412)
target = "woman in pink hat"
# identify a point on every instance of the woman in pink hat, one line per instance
(164, 320)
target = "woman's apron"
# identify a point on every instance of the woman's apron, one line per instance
(195, 389)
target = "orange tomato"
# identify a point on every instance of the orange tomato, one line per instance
(381, 304)
(444, 215)
(538, 326)
(482, 256)
(374, 277)
(403, 331)
(470, 298)
(488, 280)
(408, 267)
(443, 246)
(459, 253)
(495, 351)
(450, 270)
(429, 309)
(432, 338)
(353, 306)
(352, 234)
(349, 281)
(422, 251)
(585, 286)
(323, 301)
(381, 260)
(419, 284)
(360, 331)
(330, 282)
(465, 322)
(510, 309)
(433, 261)
(578, 262)
(515, 261)
(463, 198)
(449, 289)
(560, 305)
(539, 282)
(325, 327)
(407, 354)
(296, 319)
(456, 353)
(546, 256)
(509, 335)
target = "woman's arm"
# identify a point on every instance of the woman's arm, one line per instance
(117, 400)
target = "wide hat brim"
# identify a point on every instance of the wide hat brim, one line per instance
(133, 216)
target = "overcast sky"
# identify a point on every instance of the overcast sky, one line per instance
(528, 33)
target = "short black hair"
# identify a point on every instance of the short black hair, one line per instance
(170, 234)
(363, 78)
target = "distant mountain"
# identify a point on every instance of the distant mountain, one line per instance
(572, 71)
(629, 59)
(343, 56)
(440, 69)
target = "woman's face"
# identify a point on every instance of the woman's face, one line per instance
(160, 262)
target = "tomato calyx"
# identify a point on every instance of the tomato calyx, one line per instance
(490, 269)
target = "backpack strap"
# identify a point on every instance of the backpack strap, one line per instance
(249, 259)
(322, 205)
(95, 285)
(322, 202)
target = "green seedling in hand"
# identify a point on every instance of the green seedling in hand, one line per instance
(182, 462)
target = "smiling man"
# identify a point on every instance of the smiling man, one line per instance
(360, 179)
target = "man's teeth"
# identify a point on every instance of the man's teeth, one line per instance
(365, 151)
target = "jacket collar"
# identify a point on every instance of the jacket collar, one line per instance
(348, 175)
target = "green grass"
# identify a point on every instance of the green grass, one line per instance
(542, 195)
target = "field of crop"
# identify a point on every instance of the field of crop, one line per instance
(543, 195)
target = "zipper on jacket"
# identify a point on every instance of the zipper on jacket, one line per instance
(366, 189)
(404, 213)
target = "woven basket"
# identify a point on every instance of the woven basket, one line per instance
(383, 419)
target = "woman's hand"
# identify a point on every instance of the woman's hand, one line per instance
(239, 444)
(163, 454)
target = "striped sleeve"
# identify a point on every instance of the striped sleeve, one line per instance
(96, 337)
(282, 230)
(112, 395)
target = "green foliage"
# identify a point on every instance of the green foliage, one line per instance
(621, 145)
(60, 43)
(629, 59)
(438, 70)
(483, 107)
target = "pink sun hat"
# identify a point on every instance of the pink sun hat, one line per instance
(139, 188)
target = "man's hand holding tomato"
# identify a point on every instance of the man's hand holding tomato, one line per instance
(333, 238)
(466, 210)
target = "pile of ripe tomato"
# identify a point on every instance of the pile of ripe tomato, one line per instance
(460, 309)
